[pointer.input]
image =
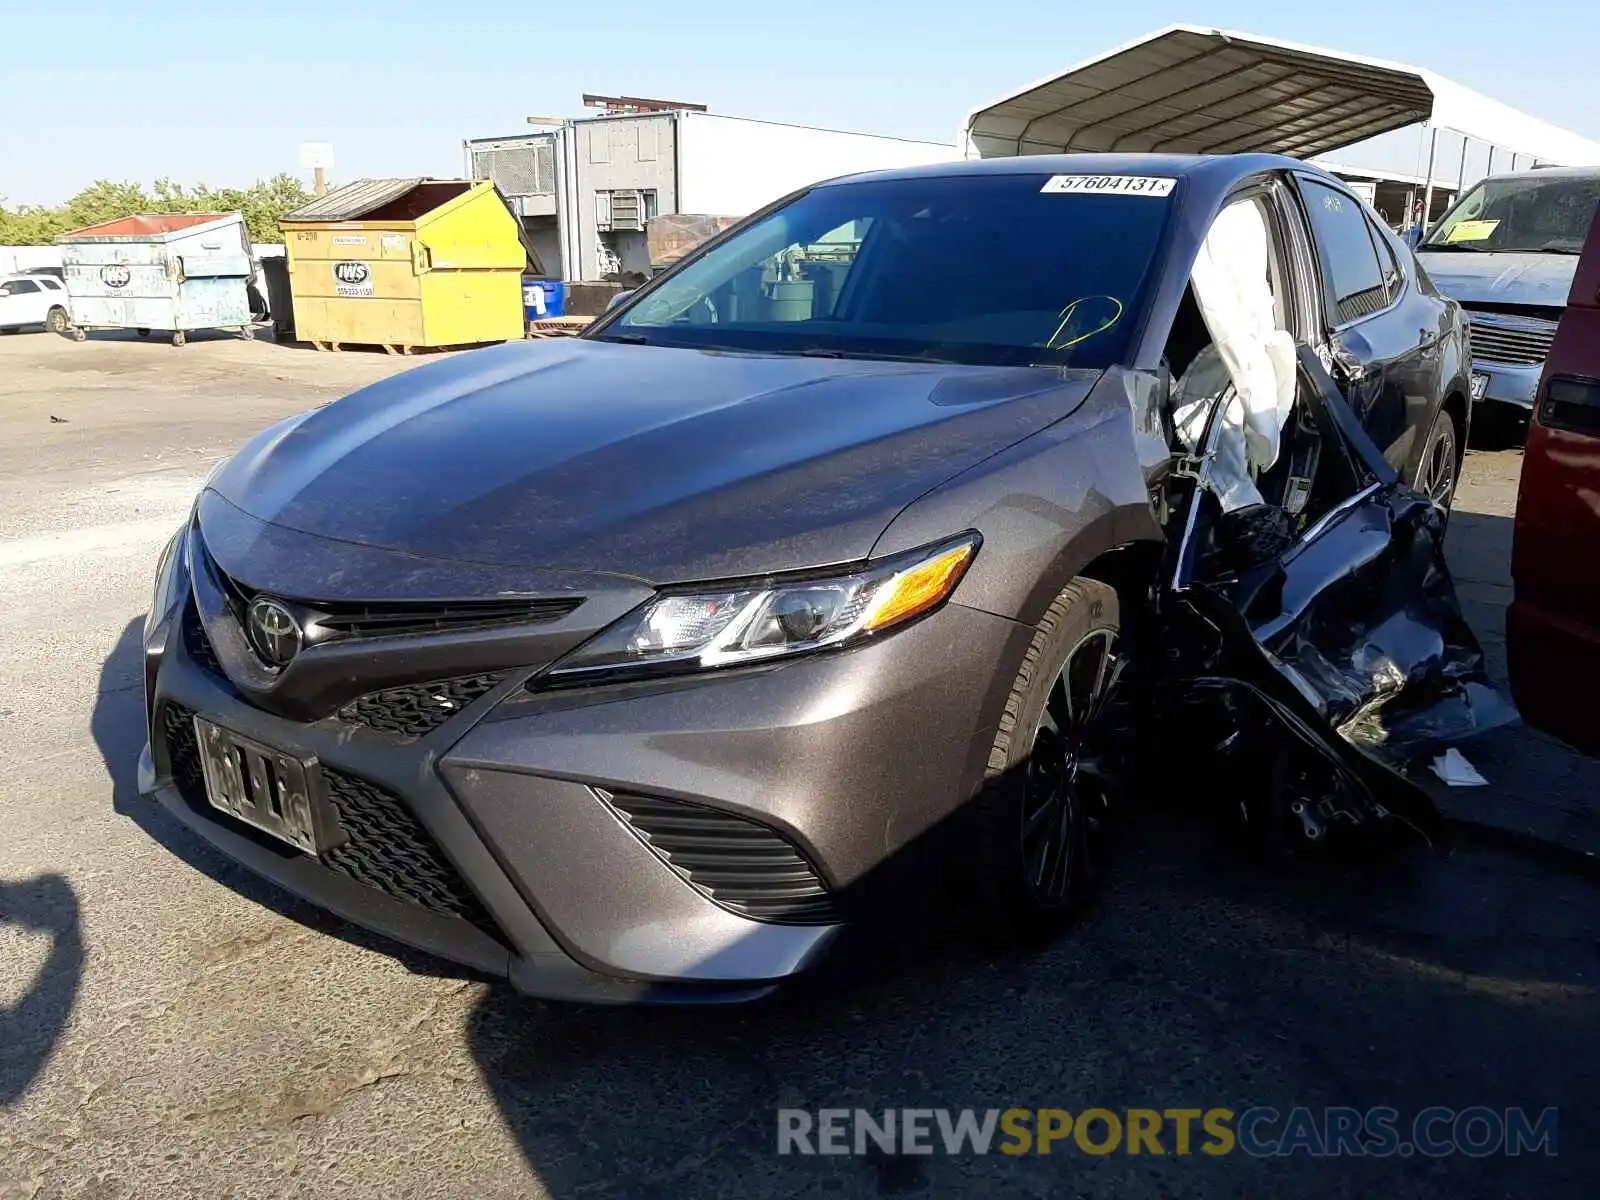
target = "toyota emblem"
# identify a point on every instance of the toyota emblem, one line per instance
(273, 632)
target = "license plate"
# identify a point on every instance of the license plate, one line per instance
(1479, 385)
(276, 792)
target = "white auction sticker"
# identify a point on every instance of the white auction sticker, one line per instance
(1113, 185)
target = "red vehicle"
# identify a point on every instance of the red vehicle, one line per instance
(1553, 626)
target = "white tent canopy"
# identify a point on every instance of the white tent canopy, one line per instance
(1188, 89)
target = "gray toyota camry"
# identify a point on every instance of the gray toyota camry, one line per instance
(627, 667)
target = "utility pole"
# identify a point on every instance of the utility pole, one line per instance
(317, 157)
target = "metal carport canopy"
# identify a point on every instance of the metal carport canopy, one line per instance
(1188, 89)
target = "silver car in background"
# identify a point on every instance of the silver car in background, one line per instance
(1507, 252)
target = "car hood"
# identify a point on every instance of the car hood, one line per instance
(664, 465)
(1482, 278)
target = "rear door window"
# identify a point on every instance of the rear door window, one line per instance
(1393, 278)
(1351, 272)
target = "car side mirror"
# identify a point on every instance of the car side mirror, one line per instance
(618, 299)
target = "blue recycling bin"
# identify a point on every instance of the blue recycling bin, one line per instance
(543, 298)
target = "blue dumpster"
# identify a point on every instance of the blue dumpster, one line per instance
(542, 298)
(171, 272)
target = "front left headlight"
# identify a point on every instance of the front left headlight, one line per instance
(703, 630)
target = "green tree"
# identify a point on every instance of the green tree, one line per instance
(262, 204)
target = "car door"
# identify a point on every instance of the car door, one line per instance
(29, 302)
(1384, 339)
(13, 305)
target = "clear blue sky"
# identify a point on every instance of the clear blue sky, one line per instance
(98, 89)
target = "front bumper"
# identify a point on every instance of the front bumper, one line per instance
(849, 757)
(1508, 383)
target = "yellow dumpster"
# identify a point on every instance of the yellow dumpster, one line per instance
(402, 263)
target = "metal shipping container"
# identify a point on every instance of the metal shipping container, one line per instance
(172, 272)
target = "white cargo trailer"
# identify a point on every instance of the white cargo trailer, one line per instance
(586, 188)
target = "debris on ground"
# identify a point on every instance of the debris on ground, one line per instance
(1454, 769)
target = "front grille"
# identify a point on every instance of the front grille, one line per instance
(390, 850)
(741, 864)
(412, 712)
(183, 752)
(387, 847)
(390, 620)
(1524, 344)
(386, 618)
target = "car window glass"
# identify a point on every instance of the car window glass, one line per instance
(1005, 269)
(1520, 214)
(20, 287)
(1349, 262)
(802, 281)
(1392, 278)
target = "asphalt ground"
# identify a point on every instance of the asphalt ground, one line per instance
(170, 1027)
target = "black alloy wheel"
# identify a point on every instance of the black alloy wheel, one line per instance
(1437, 472)
(1074, 773)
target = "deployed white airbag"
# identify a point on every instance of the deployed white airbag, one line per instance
(1234, 292)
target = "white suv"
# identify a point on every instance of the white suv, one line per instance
(33, 300)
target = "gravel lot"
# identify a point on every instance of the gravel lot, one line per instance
(169, 1027)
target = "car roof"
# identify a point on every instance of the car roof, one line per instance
(1548, 173)
(1214, 169)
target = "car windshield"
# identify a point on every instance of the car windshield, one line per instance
(990, 269)
(1522, 214)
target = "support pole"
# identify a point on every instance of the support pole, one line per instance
(1427, 191)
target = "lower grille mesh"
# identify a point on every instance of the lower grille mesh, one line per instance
(387, 848)
(741, 864)
(412, 712)
(390, 850)
(183, 752)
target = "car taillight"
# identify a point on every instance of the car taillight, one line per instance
(1571, 403)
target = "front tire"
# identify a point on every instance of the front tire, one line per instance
(1056, 769)
(56, 320)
